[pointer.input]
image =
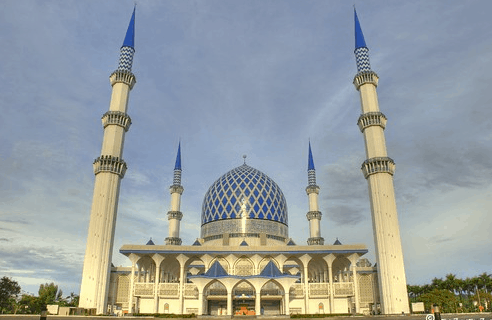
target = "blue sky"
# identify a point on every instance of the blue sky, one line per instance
(244, 77)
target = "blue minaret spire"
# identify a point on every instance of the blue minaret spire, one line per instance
(177, 168)
(361, 51)
(128, 48)
(311, 169)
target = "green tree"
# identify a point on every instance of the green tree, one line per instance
(450, 283)
(49, 294)
(30, 304)
(443, 298)
(437, 283)
(9, 291)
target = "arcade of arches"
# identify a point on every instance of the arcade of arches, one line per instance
(268, 282)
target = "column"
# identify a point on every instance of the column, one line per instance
(229, 301)
(332, 291)
(132, 284)
(200, 301)
(158, 260)
(258, 303)
(287, 301)
(181, 288)
(306, 290)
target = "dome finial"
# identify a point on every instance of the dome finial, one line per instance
(244, 157)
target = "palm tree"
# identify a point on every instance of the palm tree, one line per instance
(437, 283)
(484, 281)
(469, 286)
(450, 283)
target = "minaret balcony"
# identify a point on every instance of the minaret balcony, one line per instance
(109, 164)
(312, 189)
(117, 118)
(316, 241)
(371, 119)
(174, 215)
(123, 76)
(365, 77)
(176, 189)
(378, 165)
(173, 241)
(313, 215)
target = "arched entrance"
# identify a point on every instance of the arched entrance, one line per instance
(271, 299)
(243, 302)
(216, 294)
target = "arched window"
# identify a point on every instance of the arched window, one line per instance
(166, 308)
(321, 308)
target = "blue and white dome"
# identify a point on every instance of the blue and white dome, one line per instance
(264, 198)
(244, 191)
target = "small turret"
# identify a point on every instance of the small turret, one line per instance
(314, 215)
(174, 215)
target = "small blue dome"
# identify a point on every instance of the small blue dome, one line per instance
(262, 197)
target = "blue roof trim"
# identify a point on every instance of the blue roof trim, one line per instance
(359, 36)
(150, 243)
(310, 159)
(130, 33)
(271, 271)
(291, 243)
(196, 243)
(177, 165)
(244, 243)
(216, 271)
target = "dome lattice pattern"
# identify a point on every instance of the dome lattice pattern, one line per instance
(264, 199)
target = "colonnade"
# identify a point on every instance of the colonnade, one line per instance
(328, 268)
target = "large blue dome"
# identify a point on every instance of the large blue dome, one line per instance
(244, 188)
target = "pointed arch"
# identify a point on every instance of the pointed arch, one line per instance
(244, 266)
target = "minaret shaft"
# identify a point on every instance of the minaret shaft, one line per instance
(109, 169)
(379, 169)
(119, 97)
(174, 224)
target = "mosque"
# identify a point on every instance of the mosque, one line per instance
(244, 262)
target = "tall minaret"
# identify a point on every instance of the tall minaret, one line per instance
(314, 215)
(109, 169)
(378, 169)
(174, 215)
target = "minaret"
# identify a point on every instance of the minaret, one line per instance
(109, 169)
(314, 215)
(174, 215)
(378, 170)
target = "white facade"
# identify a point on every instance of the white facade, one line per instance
(167, 280)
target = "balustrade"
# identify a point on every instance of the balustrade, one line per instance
(190, 291)
(144, 289)
(343, 288)
(319, 290)
(169, 290)
(297, 290)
